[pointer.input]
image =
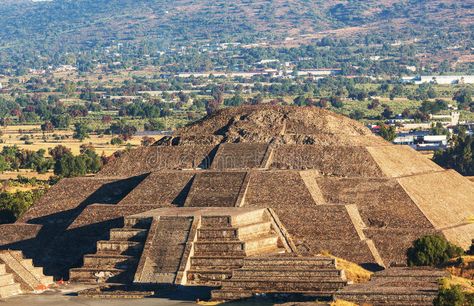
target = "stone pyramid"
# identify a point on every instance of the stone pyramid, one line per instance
(248, 181)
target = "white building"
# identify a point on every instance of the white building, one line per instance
(441, 79)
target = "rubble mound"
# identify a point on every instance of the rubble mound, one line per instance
(276, 124)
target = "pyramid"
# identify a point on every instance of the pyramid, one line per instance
(244, 182)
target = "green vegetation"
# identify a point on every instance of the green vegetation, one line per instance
(65, 164)
(453, 296)
(13, 158)
(68, 165)
(129, 34)
(81, 131)
(13, 205)
(387, 132)
(459, 157)
(432, 251)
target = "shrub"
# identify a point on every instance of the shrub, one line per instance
(116, 141)
(432, 251)
(388, 132)
(471, 249)
(453, 296)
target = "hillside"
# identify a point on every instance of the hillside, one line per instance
(40, 34)
(129, 20)
(86, 21)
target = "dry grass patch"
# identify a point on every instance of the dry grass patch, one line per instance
(353, 271)
(462, 267)
(11, 136)
(467, 285)
(342, 303)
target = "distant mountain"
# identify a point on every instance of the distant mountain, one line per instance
(84, 21)
(43, 28)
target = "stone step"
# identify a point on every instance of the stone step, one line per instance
(237, 294)
(3, 269)
(36, 271)
(216, 221)
(114, 292)
(252, 230)
(218, 246)
(46, 280)
(208, 283)
(310, 262)
(132, 222)
(132, 234)
(117, 246)
(379, 298)
(247, 218)
(234, 233)
(246, 273)
(225, 294)
(97, 275)
(208, 275)
(220, 254)
(220, 261)
(284, 285)
(267, 251)
(30, 276)
(263, 242)
(109, 261)
(219, 233)
(6, 279)
(9, 290)
(28, 264)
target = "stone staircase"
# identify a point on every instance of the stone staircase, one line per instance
(315, 277)
(167, 250)
(25, 275)
(116, 259)
(396, 286)
(8, 287)
(224, 241)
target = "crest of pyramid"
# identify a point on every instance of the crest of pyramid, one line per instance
(245, 184)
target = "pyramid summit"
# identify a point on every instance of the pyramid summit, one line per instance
(246, 187)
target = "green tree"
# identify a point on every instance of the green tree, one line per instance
(432, 250)
(438, 129)
(116, 141)
(92, 160)
(387, 113)
(463, 97)
(13, 205)
(70, 166)
(4, 164)
(357, 114)
(236, 100)
(154, 125)
(459, 157)
(336, 102)
(81, 131)
(68, 88)
(59, 151)
(453, 296)
(122, 128)
(388, 132)
(61, 121)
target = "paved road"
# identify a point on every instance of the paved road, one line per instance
(67, 296)
(61, 300)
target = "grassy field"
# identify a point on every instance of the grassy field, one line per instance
(12, 134)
